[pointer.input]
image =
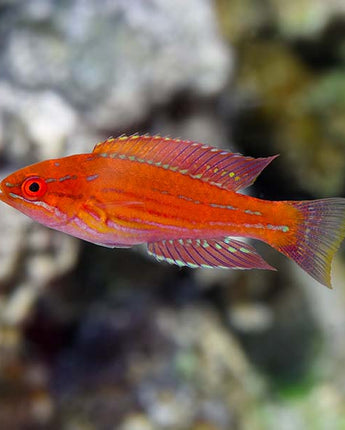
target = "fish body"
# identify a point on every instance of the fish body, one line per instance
(180, 198)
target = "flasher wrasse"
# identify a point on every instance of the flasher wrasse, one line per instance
(181, 199)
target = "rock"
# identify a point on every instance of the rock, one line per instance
(19, 304)
(116, 60)
(49, 254)
(282, 106)
(242, 19)
(308, 18)
(290, 88)
(180, 369)
(251, 317)
(12, 230)
(245, 19)
(136, 422)
(38, 124)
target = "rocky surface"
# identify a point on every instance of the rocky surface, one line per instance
(114, 61)
(290, 84)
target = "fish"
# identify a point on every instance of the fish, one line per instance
(181, 198)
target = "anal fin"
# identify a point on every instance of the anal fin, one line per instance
(225, 253)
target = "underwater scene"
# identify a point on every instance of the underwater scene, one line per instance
(149, 149)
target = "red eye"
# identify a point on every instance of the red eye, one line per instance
(33, 188)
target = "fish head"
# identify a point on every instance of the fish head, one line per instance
(47, 191)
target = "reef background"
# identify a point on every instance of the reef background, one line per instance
(93, 338)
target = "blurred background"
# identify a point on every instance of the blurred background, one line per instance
(93, 338)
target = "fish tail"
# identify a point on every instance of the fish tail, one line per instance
(319, 233)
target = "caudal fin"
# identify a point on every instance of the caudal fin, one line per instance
(319, 235)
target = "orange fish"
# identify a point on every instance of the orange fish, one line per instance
(181, 199)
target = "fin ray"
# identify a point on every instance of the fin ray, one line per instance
(219, 167)
(318, 237)
(226, 253)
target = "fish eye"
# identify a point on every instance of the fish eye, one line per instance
(34, 188)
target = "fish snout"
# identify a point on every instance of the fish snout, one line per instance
(4, 190)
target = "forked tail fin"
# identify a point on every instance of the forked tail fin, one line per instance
(319, 235)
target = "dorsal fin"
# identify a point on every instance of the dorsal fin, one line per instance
(216, 166)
